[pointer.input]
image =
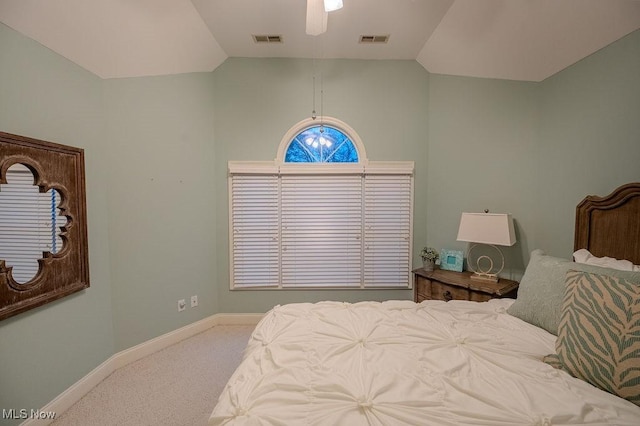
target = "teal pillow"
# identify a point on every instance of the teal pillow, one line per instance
(542, 288)
(599, 333)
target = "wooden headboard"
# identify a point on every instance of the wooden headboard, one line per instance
(610, 226)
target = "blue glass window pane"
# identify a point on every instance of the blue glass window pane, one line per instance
(297, 154)
(321, 144)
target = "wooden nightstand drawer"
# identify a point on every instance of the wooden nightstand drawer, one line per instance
(449, 285)
(433, 290)
(447, 292)
(477, 296)
(423, 288)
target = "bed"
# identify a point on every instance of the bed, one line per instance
(501, 362)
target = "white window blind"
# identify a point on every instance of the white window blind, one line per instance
(28, 223)
(345, 227)
(255, 230)
(321, 230)
(387, 230)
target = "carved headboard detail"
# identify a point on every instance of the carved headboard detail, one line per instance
(610, 226)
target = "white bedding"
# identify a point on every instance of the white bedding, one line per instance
(401, 363)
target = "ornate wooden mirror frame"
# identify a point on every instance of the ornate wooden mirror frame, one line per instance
(58, 167)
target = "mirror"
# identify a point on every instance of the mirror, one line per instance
(30, 223)
(44, 250)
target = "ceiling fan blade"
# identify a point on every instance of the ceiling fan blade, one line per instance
(316, 17)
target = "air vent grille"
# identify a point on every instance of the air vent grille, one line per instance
(368, 39)
(260, 38)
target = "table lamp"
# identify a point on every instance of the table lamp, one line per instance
(492, 229)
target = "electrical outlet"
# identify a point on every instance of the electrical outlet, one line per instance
(194, 301)
(182, 305)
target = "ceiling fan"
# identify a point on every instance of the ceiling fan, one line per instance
(317, 13)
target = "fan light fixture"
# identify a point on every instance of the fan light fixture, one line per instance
(317, 15)
(331, 5)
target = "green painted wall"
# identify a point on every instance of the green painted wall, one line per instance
(162, 200)
(533, 149)
(482, 139)
(258, 100)
(589, 137)
(149, 152)
(47, 349)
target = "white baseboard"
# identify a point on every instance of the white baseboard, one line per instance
(75, 392)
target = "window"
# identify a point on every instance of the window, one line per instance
(339, 222)
(321, 144)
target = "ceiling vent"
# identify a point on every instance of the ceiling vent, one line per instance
(267, 38)
(374, 39)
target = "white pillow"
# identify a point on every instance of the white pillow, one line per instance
(584, 256)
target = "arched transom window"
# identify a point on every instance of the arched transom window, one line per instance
(321, 144)
(330, 141)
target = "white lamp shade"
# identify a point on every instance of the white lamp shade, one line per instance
(487, 228)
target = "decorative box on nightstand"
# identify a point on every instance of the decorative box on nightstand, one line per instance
(449, 285)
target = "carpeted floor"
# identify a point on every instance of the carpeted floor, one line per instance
(178, 385)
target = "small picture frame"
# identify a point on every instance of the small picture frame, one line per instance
(451, 260)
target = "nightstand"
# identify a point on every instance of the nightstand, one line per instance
(450, 285)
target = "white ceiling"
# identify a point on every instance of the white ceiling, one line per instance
(510, 39)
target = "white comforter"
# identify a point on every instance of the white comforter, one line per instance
(401, 363)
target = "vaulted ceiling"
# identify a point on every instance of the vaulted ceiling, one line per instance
(510, 39)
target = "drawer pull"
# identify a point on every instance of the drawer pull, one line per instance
(447, 296)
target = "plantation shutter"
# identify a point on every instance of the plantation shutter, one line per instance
(321, 230)
(27, 223)
(255, 230)
(387, 230)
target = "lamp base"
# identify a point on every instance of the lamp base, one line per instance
(484, 277)
(486, 273)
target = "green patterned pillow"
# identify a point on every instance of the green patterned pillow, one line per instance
(599, 332)
(543, 286)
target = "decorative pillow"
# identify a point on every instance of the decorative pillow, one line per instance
(554, 361)
(585, 256)
(542, 288)
(599, 333)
